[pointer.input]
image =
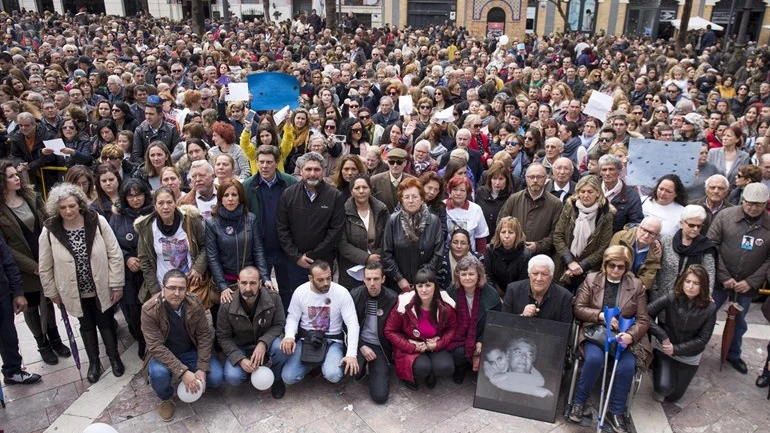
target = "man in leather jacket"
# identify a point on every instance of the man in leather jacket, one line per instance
(373, 304)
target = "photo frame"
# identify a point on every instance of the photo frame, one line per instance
(521, 367)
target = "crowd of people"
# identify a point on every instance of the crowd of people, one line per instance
(355, 234)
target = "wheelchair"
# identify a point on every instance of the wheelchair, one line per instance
(572, 369)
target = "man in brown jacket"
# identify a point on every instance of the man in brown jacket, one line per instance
(536, 209)
(178, 342)
(248, 327)
(645, 251)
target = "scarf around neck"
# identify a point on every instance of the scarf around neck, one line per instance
(692, 254)
(466, 320)
(584, 226)
(170, 229)
(414, 225)
(235, 218)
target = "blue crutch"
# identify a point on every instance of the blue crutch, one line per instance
(2, 399)
(623, 325)
(609, 313)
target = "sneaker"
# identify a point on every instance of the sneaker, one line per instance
(22, 378)
(576, 413)
(278, 390)
(166, 410)
(618, 423)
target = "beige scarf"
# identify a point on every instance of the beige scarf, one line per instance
(584, 226)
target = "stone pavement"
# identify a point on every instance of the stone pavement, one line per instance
(716, 402)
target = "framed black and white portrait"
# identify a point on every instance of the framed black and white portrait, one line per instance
(520, 370)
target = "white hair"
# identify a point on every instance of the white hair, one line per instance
(115, 80)
(693, 211)
(541, 260)
(716, 177)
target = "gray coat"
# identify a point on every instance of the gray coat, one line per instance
(717, 157)
(669, 269)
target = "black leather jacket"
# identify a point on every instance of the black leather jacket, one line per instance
(402, 259)
(225, 250)
(688, 327)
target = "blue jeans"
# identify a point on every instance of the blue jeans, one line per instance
(160, 377)
(234, 374)
(720, 296)
(592, 367)
(294, 370)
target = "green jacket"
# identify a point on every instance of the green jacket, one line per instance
(252, 185)
(235, 327)
(191, 224)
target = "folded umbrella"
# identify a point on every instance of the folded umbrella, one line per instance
(71, 337)
(728, 334)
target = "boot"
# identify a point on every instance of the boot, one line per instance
(44, 347)
(110, 338)
(91, 343)
(53, 333)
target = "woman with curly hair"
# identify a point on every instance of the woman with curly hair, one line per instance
(223, 138)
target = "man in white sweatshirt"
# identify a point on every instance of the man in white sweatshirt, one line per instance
(317, 311)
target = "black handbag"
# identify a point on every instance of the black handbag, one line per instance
(597, 334)
(314, 347)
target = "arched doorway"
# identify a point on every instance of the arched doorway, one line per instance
(495, 23)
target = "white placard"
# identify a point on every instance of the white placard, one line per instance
(357, 272)
(446, 115)
(238, 92)
(56, 145)
(405, 105)
(279, 116)
(599, 104)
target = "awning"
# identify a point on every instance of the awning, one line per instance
(697, 23)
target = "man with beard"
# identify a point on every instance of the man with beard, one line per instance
(311, 215)
(248, 327)
(317, 311)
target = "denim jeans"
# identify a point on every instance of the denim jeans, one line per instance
(720, 296)
(9, 340)
(234, 374)
(294, 370)
(160, 377)
(592, 367)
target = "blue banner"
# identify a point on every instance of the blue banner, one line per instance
(273, 91)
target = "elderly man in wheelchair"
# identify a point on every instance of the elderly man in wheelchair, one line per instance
(616, 288)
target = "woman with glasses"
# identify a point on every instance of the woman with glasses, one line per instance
(124, 119)
(746, 174)
(612, 286)
(81, 267)
(741, 101)
(356, 138)
(684, 248)
(135, 201)
(442, 98)
(77, 149)
(413, 238)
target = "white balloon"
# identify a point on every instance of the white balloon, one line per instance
(99, 428)
(504, 40)
(263, 378)
(187, 397)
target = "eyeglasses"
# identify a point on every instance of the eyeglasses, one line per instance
(660, 111)
(754, 204)
(673, 90)
(478, 125)
(648, 232)
(648, 98)
(113, 158)
(354, 105)
(117, 110)
(740, 176)
(529, 139)
(396, 161)
(392, 93)
(176, 70)
(605, 139)
(330, 126)
(425, 107)
(616, 266)
(693, 226)
(364, 117)
(65, 127)
(535, 177)
(638, 113)
(355, 130)
(178, 289)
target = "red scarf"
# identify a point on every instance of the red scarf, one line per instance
(466, 321)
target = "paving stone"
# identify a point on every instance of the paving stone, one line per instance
(29, 422)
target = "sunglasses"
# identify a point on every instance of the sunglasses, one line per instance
(693, 226)
(392, 93)
(65, 127)
(425, 107)
(117, 110)
(364, 117)
(396, 161)
(478, 125)
(330, 126)
(355, 130)
(354, 105)
(615, 266)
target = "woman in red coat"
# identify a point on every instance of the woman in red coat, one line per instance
(420, 328)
